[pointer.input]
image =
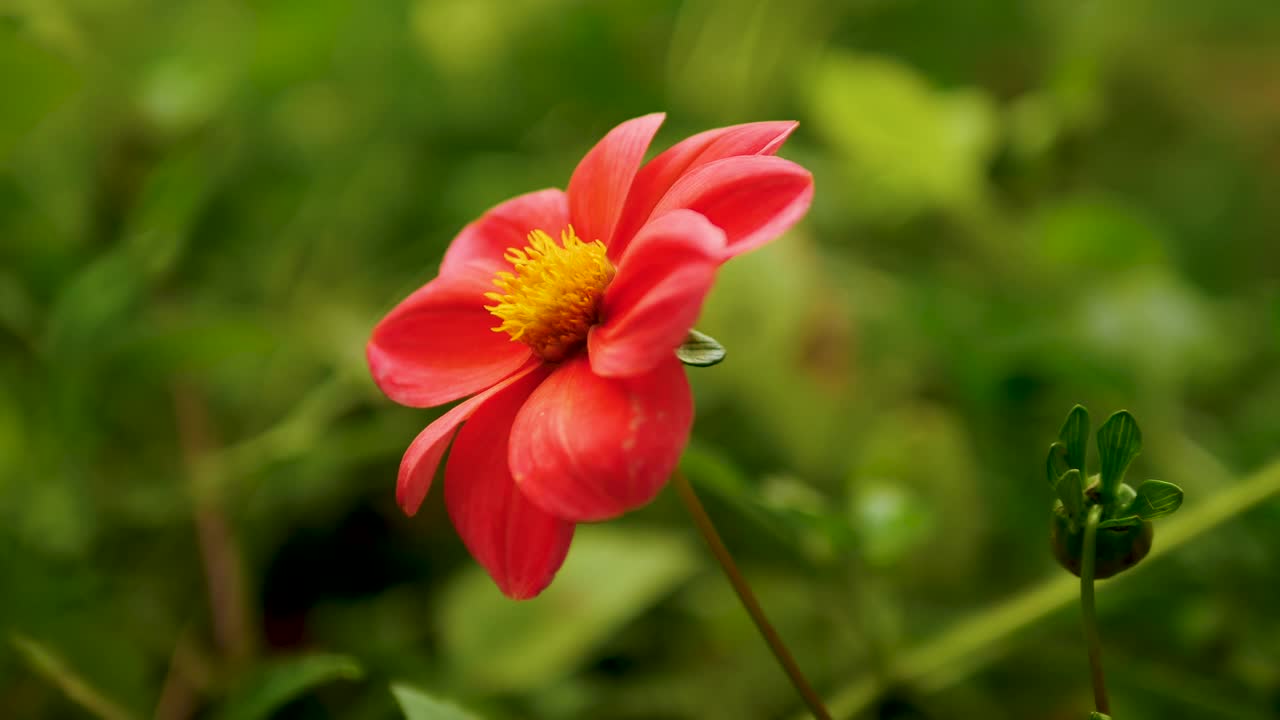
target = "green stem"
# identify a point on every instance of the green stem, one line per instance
(1092, 637)
(748, 598)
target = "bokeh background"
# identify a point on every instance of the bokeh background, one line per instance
(1021, 204)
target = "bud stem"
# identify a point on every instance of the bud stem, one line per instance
(1091, 634)
(708, 530)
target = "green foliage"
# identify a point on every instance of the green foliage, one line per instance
(611, 577)
(267, 688)
(910, 146)
(418, 705)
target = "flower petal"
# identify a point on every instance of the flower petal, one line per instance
(519, 544)
(656, 295)
(418, 466)
(659, 174)
(585, 447)
(505, 226)
(753, 199)
(438, 345)
(600, 184)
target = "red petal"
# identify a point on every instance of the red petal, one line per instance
(660, 173)
(657, 294)
(601, 182)
(753, 199)
(438, 345)
(505, 226)
(418, 466)
(520, 545)
(586, 447)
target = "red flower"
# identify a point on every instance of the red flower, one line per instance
(579, 408)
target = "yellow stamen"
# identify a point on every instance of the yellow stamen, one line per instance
(553, 297)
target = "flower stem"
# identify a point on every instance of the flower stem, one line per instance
(1091, 635)
(748, 598)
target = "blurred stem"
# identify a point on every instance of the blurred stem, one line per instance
(708, 530)
(44, 661)
(1092, 637)
(219, 551)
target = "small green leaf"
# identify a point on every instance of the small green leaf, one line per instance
(700, 350)
(1121, 522)
(1119, 442)
(1070, 491)
(1157, 498)
(418, 705)
(1056, 463)
(1075, 437)
(1098, 716)
(274, 685)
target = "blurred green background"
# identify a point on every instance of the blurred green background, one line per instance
(1021, 204)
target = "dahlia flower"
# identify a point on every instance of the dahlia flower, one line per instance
(557, 315)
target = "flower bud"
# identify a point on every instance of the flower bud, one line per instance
(1119, 548)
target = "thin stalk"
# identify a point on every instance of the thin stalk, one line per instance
(1088, 563)
(708, 530)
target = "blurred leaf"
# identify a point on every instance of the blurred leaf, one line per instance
(1070, 490)
(927, 451)
(910, 147)
(1119, 442)
(1075, 437)
(890, 521)
(700, 350)
(418, 705)
(784, 508)
(272, 686)
(93, 306)
(34, 82)
(1096, 236)
(611, 576)
(167, 206)
(1156, 499)
(1155, 325)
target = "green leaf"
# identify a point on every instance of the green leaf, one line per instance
(1098, 716)
(1121, 522)
(418, 705)
(1119, 442)
(700, 350)
(1075, 436)
(272, 686)
(1070, 491)
(1156, 499)
(1055, 465)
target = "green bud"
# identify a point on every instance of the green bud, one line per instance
(1119, 548)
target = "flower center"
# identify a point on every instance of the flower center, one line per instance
(553, 297)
